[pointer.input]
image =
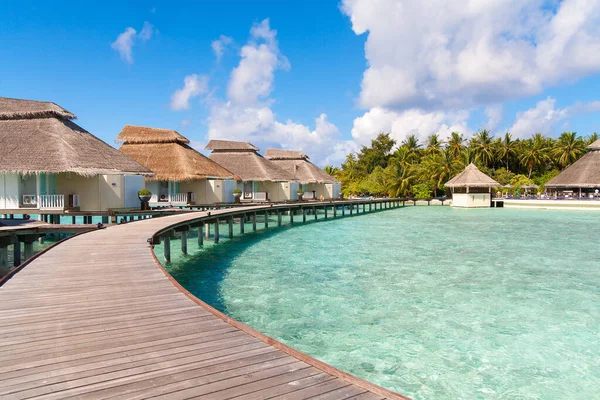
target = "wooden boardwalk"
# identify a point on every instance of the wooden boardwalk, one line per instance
(96, 317)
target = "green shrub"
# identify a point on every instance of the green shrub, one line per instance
(300, 191)
(144, 192)
(237, 191)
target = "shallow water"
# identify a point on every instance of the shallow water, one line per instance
(432, 302)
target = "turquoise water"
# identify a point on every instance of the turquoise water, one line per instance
(432, 302)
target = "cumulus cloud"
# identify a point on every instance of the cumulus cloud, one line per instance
(193, 86)
(127, 39)
(409, 122)
(252, 79)
(545, 117)
(434, 54)
(219, 46)
(494, 115)
(247, 113)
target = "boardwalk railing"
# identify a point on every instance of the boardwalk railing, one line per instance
(52, 202)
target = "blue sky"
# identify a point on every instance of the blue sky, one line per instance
(336, 73)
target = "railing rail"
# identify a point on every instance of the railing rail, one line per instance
(52, 202)
(262, 196)
(179, 198)
(308, 195)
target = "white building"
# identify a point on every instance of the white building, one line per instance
(471, 188)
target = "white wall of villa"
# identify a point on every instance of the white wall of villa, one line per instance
(327, 190)
(277, 191)
(65, 190)
(471, 200)
(204, 191)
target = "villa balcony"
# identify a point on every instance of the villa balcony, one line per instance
(49, 201)
(175, 199)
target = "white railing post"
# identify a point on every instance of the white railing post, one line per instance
(51, 202)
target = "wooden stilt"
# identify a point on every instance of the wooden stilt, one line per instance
(254, 222)
(167, 248)
(266, 219)
(325, 209)
(334, 211)
(291, 217)
(3, 260)
(278, 218)
(207, 231)
(315, 212)
(303, 214)
(230, 227)
(242, 223)
(17, 253)
(217, 230)
(201, 234)
(184, 242)
(343, 210)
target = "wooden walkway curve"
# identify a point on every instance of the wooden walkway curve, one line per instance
(96, 317)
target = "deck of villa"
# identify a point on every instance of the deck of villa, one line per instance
(97, 317)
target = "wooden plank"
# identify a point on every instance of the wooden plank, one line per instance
(96, 317)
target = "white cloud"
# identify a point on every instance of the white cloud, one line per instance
(126, 40)
(193, 86)
(494, 115)
(147, 31)
(404, 123)
(247, 114)
(545, 117)
(252, 80)
(219, 46)
(436, 54)
(124, 43)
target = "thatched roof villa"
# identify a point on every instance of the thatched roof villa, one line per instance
(315, 182)
(182, 175)
(582, 177)
(262, 179)
(49, 162)
(471, 188)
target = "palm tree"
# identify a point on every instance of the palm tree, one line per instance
(455, 144)
(433, 144)
(484, 151)
(467, 156)
(440, 168)
(412, 146)
(533, 153)
(591, 139)
(568, 148)
(331, 170)
(508, 148)
(400, 178)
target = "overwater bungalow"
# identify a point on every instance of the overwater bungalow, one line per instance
(581, 179)
(315, 183)
(181, 175)
(47, 162)
(471, 188)
(262, 180)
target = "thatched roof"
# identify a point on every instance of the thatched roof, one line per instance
(166, 153)
(242, 159)
(471, 177)
(31, 109)
(143, 134)
(583, 173)
(229, 145)
(297, 164)
(39, 137)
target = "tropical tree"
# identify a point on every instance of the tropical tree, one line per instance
(441, 168)
(412, 146)
(433, 144)
(331, 170)
(508, 149)
(591, 139)
(482, 144)
(568, 148)
(456, 144)
(533, 154)
(400, 178)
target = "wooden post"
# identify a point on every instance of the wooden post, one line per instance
(278, 218)
(291, 217)
(303, 214)
(3, 260)
(17, 253)
(315, 212)
(201, 234)
(184, 242)
(325, 209)
(343, 210)
(254, 222)
(73, 220)
(351, 208)
(266, 219)
(334, 211)
(207, 230)
(242, 223)
(230, 227)
(167, 248)
(370, 207)
(217, 230)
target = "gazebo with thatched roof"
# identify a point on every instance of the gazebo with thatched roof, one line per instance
(315, 182)
(471, 188)
(262, 179)
(582, 177)
(47, 162)
(182, 176)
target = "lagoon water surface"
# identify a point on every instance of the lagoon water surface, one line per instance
(432, 302)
